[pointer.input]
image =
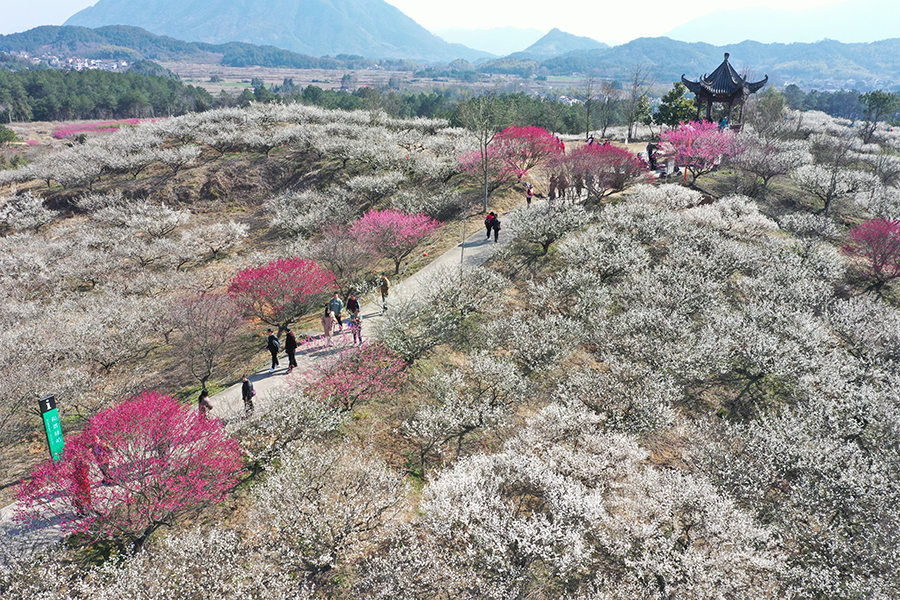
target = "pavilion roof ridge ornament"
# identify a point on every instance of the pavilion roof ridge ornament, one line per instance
(723, 82)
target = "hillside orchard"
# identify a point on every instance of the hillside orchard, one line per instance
(649, 392)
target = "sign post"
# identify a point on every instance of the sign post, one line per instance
(52, 426)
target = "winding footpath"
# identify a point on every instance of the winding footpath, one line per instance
(228, 405)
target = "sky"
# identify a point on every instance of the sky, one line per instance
(610, 21)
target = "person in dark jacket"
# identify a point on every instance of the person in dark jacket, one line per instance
(353, 303)
(247, 393)
(487, 223)
(290, 347)
(495, 225)
(203, 403)
(273, 346)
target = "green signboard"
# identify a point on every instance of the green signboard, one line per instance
(52, 426)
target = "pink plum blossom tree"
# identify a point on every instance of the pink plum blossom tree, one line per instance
(510, 154)
(359, 374)
(520, 149)
(877, 244)
(391, 233)
(699, 147)
(339, 252)
(603, 169)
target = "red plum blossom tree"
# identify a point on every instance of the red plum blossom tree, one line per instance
(134, 468)
(280, 292)
(603, 169)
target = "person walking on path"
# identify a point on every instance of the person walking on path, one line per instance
(495, 225)
(353, 303)
(203, 403)
(529, 193)
(385, 288)
(247, 393)
(356, 326)
(488, 223)
(101, 452)
(290, 347)
(273, 346)
(337, 307)
(561, 186)
(328, 321)
(81, 478)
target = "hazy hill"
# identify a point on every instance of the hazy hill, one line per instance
(848, 21)
(496, 40)
(822, 64)
(371, 28)
(558, 42)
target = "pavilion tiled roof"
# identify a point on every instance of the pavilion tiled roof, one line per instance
(724, 81)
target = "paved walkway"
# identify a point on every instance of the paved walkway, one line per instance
(228, 404)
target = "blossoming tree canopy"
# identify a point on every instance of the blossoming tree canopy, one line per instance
(510, 154)
(392, 233)
(358, 375)
(282, 291)
(877, 244)
(135, 467)
(520, 149)
(699, 147)
(604, 169)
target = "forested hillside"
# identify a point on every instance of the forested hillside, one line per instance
(54, 95)
(133, 43)
(653, 391)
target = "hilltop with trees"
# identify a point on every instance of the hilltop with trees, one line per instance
(656, 389)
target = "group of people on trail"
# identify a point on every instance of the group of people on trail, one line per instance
(332, 317)
(558, 186)
(492, 223)
(204, 406)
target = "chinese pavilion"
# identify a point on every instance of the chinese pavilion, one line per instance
(724, 86)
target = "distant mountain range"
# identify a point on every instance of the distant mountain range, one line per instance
(822, 65)
(849, 21)
(499, 41)
(370, 28)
